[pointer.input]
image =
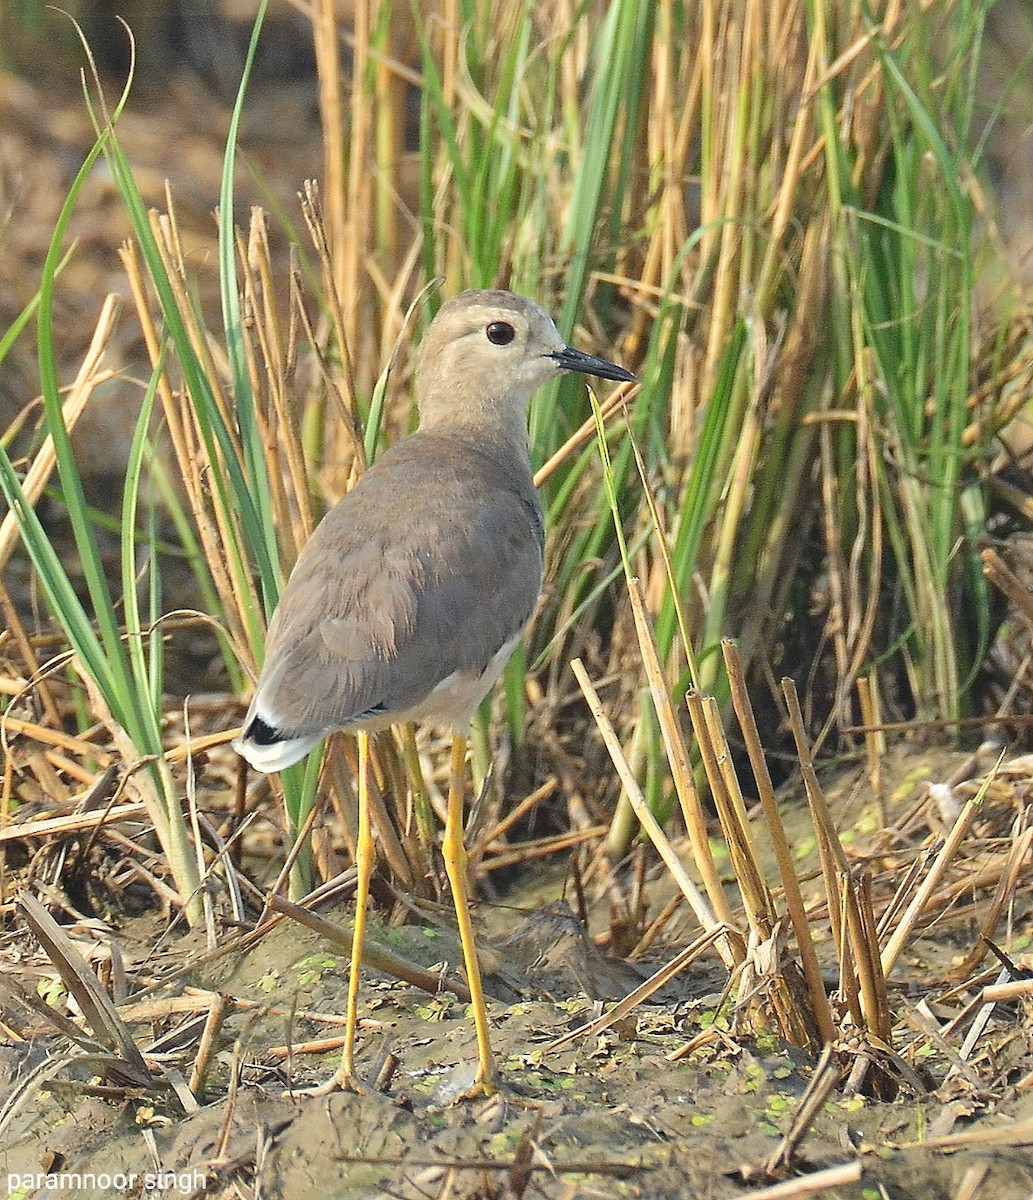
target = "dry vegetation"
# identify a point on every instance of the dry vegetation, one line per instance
(778, 546)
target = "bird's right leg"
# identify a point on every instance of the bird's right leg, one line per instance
(365, 856)
(453, 851)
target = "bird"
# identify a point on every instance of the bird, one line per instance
(412, 592)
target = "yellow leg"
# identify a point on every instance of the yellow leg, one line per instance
(365, 856)
(454, 852)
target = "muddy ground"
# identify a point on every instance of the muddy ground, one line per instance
(623, 1112)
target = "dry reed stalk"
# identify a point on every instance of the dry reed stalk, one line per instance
(826, 1077)
(655, 927)
(348, 255)
(272, 389)
(820, 1007)
(221, 1006)
(615, 402)
(856, 927)
(779, 540)
(921, 1018)
(846, 1175)
(873, 988)
(31, 668)
(730, 521)
(76, 822)
(79, 978)
(851, 616)
(324, 1045)
(326, 41)
(662, 544)
(374, 955)
(521, 810)
(179, 423)
(731, 947)
(80, 746)
(297, 846)
(197, 841)
(50, 783)
(345, 400)
(1016, 1133)
(731, 813)
(165, 230)
(421, 807)
(678, 758)
(972, 1181)
(874, 738)
(521, 852)
(389, 142)
(892, 911)
(339, 774)
(386, 822)
(1005, 993)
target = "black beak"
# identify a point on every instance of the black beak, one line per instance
(576, 360)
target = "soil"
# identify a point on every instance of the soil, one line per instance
(623, 1112)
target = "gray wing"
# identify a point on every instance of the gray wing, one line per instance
(427, 567)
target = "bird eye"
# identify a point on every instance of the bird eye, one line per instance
(500, 333)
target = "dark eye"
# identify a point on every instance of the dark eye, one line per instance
(500, 333)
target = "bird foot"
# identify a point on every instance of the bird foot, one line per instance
(486, 1083)
(482, 1089)
(340, 1081)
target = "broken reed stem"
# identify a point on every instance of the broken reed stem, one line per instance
(678, 758)
(374, 955)
(844, 1175)
(220, 1008)
(883, 1026)
(874, 738)
(820, 1006)
(827, 1076)
(731, 947)
(732, 818)
(837, 875)
(796, 1023)
(847, 977)
(943, 860)
(758, 898)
